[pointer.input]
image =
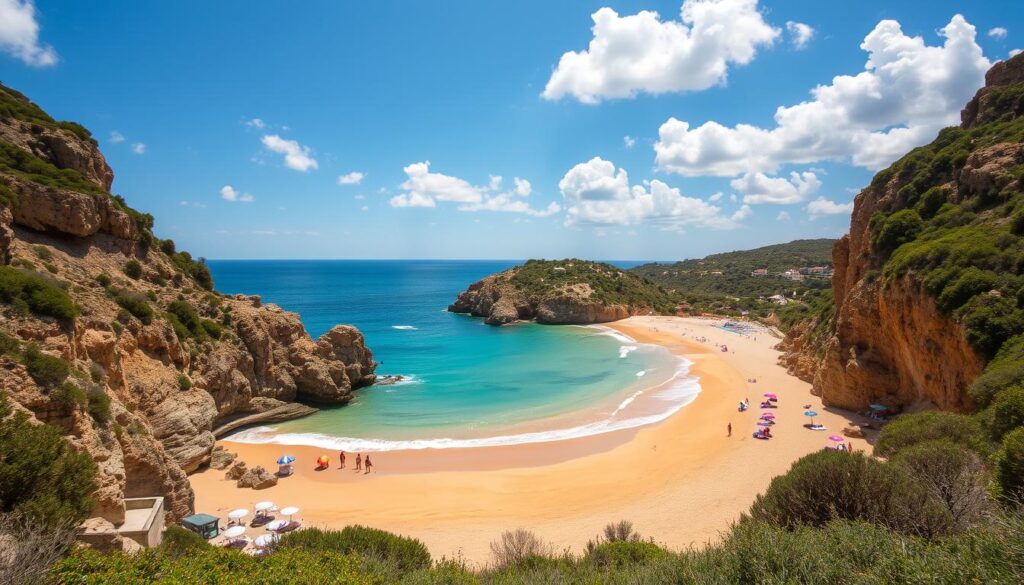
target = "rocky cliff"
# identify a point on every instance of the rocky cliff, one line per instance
(118, 338)
(561, 292)
(926, 283)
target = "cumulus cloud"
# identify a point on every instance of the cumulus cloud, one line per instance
(641, 53)
(229, 193)
(628, 141)
(715, 197)
(116, 137)
(782, 216)
(800, 34)
(353, 178)
(256, 123)
(997, 32)
(596, 193)
(907, 92)
(19, 34)
(139, 148)
(1014, 52)
(296, 156)
(424, 188)
(760, 188)
(822, 206)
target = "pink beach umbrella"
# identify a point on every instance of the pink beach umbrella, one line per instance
(770, 395)
(767, 415)
(836, 439)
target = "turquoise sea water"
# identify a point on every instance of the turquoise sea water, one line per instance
(468, 383)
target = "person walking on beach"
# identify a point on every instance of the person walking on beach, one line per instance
(369, 464)
(359, 461)
(729, 429)
(341, 457)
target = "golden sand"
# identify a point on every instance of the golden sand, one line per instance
(682, 482)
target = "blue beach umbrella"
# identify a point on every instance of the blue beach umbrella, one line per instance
(285, 460)
(811, 414)
(878, 407)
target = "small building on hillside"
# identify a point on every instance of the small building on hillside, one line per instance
(760, 272)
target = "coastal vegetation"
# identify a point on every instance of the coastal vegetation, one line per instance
(34, 293)
(610, 285)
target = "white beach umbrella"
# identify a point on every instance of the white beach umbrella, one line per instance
(263, 506)
(234, 531)
(290, 511)
(277, 525)
(238, 514)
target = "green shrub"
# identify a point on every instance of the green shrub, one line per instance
(69, 396)
(48, 371)
(406, 553)
(910, 429)
(897, 229)
(1009, 467)
(931, 201)
(198, 271)
(620, 554)
(832, 485)
(990, 322)
(212, 328)
(953, 475)
(133, 269)
(40, 474)
(34, 293)
(9, 345)
(167, 247)
(969, 283)
(185, 320)
(184, 382)
(1006, 412)
(99, 405)
(1005, 370)
(42, 252)
(135, 304)
(178, 542)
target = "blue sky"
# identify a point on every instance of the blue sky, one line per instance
(477, 89)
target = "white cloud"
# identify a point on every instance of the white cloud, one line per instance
(116, 137)
(19, 34)
(800, 34)
(364, 208)
(256, 123)
(296, 156)
(641, 53)
(595, 193)
(759, 188)
(782, 216)
(359, 197)
(822, 206)
(423, 188)
(715, 197)
(228, 193)
(1014, 52)
(139, 148)
(628, 141)
(907, 92)
(193, 204)
(353, 178)
(742, 213)
(997, 32)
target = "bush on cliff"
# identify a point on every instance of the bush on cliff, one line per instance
(911, 429)
(1009, 467)
(35, 294)
(1006, 412)
(1005, 370)
(47, 370)
(952, 475)
(198, 271)
(895, 230)
(135, 304)
(405, 553)
(832, 485)
(40, 474)
(133, 269)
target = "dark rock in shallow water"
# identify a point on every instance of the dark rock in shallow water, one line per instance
(389, 380)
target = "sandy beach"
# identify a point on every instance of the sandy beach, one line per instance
(682, 481)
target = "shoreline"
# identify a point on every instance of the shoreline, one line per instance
(681, 481)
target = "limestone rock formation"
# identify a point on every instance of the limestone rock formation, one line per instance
(172, 379)
(565, 292)
(257, 478)
(890, 342)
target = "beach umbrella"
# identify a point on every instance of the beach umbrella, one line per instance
(277, 525)
(764, 424)
(770, 395)
(285, 460)
(767, 415)
(290, 511)
(263, 506)
(266, 540)
(234, 531)
(238, 514)
(811, 414)
(878, 407)
(836, 439)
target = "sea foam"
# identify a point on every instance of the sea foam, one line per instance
(404, 327)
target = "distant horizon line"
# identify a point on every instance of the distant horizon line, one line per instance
(422, 259)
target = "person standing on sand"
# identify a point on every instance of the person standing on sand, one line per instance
(369, 464)
(359, 461)
(341, 457)
(729, 429)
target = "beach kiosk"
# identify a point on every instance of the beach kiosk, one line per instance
(202, 524)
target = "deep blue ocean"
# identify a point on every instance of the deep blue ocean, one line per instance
(468, 383)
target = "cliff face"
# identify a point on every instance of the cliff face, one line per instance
(566, 292)
(171, 380)
(888, 340)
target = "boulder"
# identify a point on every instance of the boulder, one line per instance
(257, 478)
(221, 458)
(237, 470)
